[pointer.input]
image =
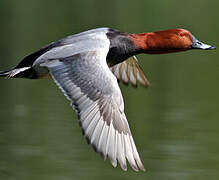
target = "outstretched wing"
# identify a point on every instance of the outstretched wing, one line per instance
(130, 71)
(93, 90)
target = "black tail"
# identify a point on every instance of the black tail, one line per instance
(24, 68)
(4, 73)
(25, 72)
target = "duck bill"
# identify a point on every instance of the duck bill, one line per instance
(199, 45)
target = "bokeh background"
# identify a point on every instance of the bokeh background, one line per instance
(174, 122)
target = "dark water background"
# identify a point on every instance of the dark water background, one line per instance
(174, 122)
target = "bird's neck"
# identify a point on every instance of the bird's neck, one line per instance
(121, 47)
(140, 40)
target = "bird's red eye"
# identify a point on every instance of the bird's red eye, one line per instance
(182, 34)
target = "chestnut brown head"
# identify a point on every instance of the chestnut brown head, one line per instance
(172, 40)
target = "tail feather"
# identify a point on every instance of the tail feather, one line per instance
(4, 73)
(24, 72)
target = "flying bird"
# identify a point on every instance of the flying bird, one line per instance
(86, 67)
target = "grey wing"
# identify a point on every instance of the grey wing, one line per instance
(93, 90)
(130, 71)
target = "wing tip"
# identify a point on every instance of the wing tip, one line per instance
(147, 84)
(134, 168)
(114, 163)
(137, 166)
(123, 165)
(141, 166)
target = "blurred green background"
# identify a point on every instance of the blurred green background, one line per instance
(174, 122)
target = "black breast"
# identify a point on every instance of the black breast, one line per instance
(121, 47)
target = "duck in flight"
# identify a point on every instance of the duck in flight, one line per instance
(86, 67)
